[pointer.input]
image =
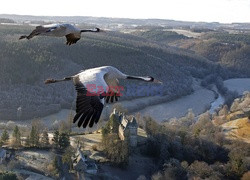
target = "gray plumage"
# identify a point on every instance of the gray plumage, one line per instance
(72, 33)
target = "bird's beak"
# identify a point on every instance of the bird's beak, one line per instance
(99, 30)
(157, 81)
(49, 81)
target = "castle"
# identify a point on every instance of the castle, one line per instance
(126, 127)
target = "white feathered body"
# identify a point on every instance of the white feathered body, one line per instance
(60, 30)
(102, 76)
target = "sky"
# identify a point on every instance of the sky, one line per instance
(224, 11)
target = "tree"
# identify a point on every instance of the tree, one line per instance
(189, 119)
(116, 150)
(114, 123)
(27, 142)
(56, 138)
(224, 111)
(63, 140)
(190, 116)
(8, 176)
(235, 105)
(237, 165)
(65, 126)
(5, 136)
(172, 170)
(151, 126)
(200, 169)
(16, 136)
(67, 157)
(34, 136)
(45, 139)
(55, 165)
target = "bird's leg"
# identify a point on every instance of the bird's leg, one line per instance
(49, 81)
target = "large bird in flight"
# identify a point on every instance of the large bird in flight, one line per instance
(72, 33)
(95, 87)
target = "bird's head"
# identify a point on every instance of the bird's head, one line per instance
(151, 79)
(99, 30)
(49, 81)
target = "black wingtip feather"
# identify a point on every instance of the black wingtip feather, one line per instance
(86, 120)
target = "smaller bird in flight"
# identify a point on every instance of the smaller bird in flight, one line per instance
(72, 33)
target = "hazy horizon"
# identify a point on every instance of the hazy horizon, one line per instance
(224, 11)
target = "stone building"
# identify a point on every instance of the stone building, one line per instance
(127, 127)
(3, 155)
(83, 165)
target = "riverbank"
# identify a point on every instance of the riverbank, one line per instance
(199, 102)
(239, 85)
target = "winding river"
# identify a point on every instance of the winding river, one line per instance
(217, 103)
(199, 101)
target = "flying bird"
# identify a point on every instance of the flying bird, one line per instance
(95, 87)
(72, 33)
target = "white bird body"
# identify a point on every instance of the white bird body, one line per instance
(101, 76)
(72, 33)
(90, 100)
(60, 30)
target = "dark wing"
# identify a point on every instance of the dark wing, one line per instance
(71, 39)
(88, 107)
(114, 90)
(112, 96)
(35, 32)
(43, 30)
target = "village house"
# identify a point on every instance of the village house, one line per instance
(3, 155)
(83, 164)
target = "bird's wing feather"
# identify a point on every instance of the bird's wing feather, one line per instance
(50, 28)
(71, 39)
(88, 107)
(89, 103)
(114, 89)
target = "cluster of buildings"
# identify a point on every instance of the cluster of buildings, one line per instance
(127, 127)
(5, 155)
(84, 165)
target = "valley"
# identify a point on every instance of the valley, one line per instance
(197, 127)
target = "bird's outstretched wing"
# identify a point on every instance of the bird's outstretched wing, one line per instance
(71, 39)
(88, 107)
(44, 30)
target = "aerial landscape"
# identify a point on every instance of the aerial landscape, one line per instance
(171, 98)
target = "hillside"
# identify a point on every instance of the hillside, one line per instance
(26, 64)
(229, 49)
(238, 129)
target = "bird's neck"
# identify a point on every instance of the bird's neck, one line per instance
(87, 30)
(138, 78)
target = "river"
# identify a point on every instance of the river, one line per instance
(217, 103)
(199, 101)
